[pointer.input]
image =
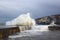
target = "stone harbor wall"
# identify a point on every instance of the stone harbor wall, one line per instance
(6, 32)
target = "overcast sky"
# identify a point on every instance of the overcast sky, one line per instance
(10, 9)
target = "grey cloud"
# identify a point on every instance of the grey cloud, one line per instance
(37, 8)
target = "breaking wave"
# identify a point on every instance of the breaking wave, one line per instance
(23, 19)
(26, 20)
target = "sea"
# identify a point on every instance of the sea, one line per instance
(38, 32)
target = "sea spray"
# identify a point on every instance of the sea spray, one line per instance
(41, 28)
(27, 21)
(23, 19)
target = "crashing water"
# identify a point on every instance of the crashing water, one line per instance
(41, 27)
(25, 19)
(36, 30)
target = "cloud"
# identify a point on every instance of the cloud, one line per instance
(37, 8)
(25, 4)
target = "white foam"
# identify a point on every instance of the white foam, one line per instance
(23, 19)
(41, 27)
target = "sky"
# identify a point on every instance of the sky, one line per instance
(10, 9)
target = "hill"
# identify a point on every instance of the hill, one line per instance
(49, 19)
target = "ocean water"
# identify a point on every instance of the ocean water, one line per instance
(39, 32)
(35, 30)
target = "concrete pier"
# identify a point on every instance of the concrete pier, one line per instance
(11, 30)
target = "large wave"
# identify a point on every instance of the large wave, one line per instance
(26, 20)
(23, 19)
